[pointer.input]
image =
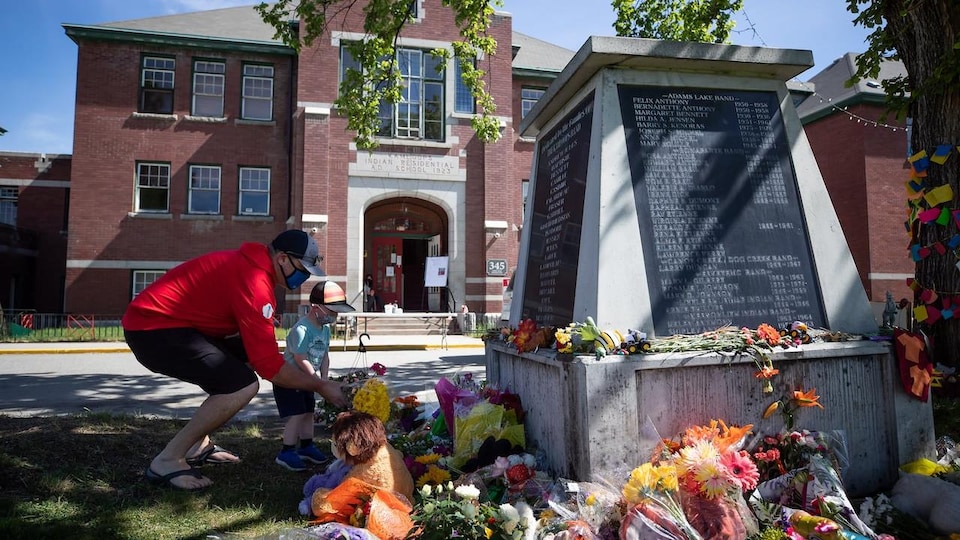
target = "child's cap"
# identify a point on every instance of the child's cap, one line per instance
(331, 296)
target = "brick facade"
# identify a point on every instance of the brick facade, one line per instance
(33, 250)
(319, 181)
(864, 170)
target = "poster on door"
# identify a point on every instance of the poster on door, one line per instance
(436, 272)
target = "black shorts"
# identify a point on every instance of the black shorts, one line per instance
(291, 402)
(218, 366)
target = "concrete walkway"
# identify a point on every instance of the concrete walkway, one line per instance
(372, 343)
(49, 379)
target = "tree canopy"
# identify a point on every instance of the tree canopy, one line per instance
(706, 21)
(375, 79)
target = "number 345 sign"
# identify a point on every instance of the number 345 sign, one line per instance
(496, 267)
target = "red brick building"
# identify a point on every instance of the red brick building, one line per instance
(34, 196)
(862, 159)
(200, 131)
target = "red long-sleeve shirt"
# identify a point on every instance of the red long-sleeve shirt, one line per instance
(219, 294)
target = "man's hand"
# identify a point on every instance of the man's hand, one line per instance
(330, 390)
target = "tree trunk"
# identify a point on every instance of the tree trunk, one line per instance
(924, 33)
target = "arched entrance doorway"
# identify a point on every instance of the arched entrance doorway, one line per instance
(400, 234)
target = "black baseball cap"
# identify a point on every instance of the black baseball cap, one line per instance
(302, 246)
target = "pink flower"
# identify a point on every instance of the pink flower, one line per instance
(741, 469)
(378, 368)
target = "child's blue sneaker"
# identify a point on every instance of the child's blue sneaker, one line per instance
(312, 454)
(290, 460)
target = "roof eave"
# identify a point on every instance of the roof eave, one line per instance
(855, 99)
(76, 32)
(535, 73)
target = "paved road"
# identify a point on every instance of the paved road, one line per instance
(70, 383)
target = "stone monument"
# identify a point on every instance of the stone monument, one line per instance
(674, 191)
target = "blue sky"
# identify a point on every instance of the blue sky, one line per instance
(38, 60)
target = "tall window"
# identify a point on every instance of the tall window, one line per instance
(156, 85)
(208, 88)
(524, 190)
(528, 98)
(8, 205)
(204, 189)
(463, 101)
(421, 111)
(257, 92)
(254, 191)
(153, 187)
(142, 278)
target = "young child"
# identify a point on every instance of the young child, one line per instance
(308, 345)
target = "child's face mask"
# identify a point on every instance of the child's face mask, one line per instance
(324, 317)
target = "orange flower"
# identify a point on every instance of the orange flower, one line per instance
(768, 334)
(806, 399)
(766, 372)
(772, 408)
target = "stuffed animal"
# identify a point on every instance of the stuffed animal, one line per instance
(360, 441)
(932, 500)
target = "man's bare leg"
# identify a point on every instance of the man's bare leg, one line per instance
(215, 411)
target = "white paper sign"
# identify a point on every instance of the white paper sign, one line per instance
(436, 272)
(389, 271)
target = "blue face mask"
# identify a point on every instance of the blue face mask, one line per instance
(326, 319)
(296, 278)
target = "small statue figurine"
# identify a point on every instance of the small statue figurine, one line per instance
(890, 310)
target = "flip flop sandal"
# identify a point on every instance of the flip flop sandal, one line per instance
(206, 457)
(165, 480)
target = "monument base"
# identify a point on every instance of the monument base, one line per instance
(586, 415)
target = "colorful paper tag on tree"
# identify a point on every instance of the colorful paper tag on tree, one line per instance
(913, 361)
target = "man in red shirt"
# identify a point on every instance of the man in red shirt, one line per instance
(209, 321)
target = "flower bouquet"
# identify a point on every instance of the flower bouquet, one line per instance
(712, 474)
(446, 512)
(326, 413)
(655, 511)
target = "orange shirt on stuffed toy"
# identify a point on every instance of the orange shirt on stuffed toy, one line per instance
(360, 440)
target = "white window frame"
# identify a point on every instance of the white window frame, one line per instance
(527, 101)
(251, 186)
(143, 278)
(460, 91)
(157, 76)
(156, 179)
(208, 85)
(257, 88)
(413, 109)
(204, 179)
(8, 205)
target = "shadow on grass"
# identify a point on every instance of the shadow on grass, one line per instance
(82, 477)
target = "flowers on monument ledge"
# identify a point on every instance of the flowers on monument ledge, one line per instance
(528, 337)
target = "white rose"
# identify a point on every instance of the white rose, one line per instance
(467, 492)
(426, 490)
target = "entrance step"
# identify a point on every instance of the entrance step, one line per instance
(405, 325)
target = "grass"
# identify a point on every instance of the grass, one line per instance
(81, 477)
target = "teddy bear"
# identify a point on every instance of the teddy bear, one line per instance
(359, 440)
